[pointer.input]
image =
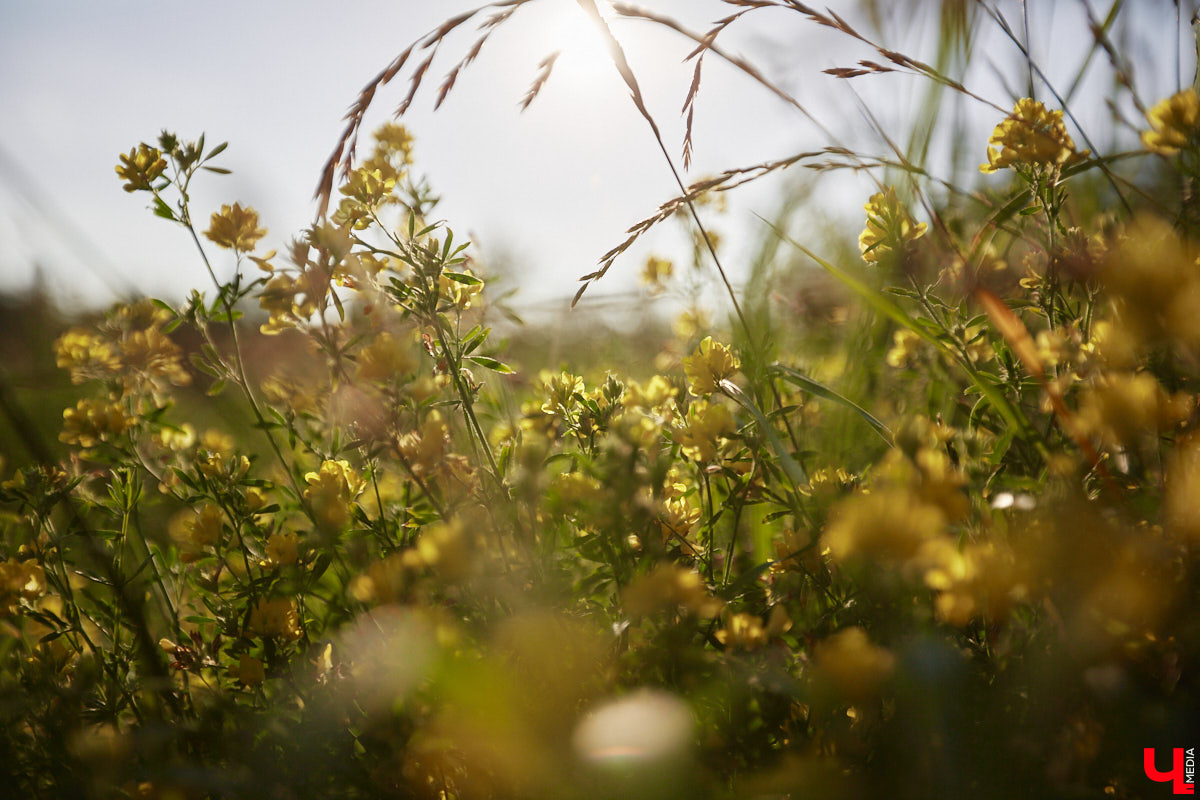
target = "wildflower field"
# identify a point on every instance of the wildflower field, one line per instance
(912, 515)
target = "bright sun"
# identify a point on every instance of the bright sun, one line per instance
(583, 56)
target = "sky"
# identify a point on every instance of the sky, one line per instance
(543, 193)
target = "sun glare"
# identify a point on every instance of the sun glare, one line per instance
(583, 56)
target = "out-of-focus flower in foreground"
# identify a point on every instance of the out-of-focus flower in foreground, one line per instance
(1174, 123)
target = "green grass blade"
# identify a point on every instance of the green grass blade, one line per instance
(821, 390)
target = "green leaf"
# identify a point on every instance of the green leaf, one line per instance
(819, 389)
(793, 469)
(161, 209)
(216, 150)
(492, 364)
(218, 170)
(321, 564)
(462, 277)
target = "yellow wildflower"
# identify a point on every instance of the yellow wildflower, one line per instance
(330, 492)
(890, 524)
(904, 347)
(655, 272)
(668, 587)
(655, 396)
(573, 489)
(678, 517)
(385, 580)
(743, 632)
(249, 671)
(1031, 136)
(176, 439)
(20, 580)
(890, 228)
(711, 363)
(368, 187)
(458, 293)
(385, 359)
(235, 228)
(151, 353)
(393, 151)
(141, 167)
(1121, 407)
(424, 450)
(1174, 123)
(448, 550)
(1154, 285)
(275, 617)
(980, 580)
(283, 548)
(195, 529)
(92, 421)
(704, 430)
(852, 665)
(560, 390)
(280, 298)
(85, 355)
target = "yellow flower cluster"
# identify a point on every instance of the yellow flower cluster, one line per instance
(235, 228)
(424, 449)
(392, 153)
(890, 228)
(981, 579)
(1174, 123)
(151, 353)
(386, 359)
(366, 191)
(852, 666)
(275, 618)
(449, 550)
(656, 397)
(197, 529)
(283, 548)
(711, 363)
(656, 271)
(560, 391)
(892, 524)
(1031, 136)
(458, 293)
(85, 355)
(281, 298)
(1122, 407)
(249, 670)
(747, 632)
(387, 578)
(705, 430)
(20, 580)
(92, 421)
(905, 346)
(330, 494)
(130, 348)
(141, 168)
(669, 587)
(1154, 287)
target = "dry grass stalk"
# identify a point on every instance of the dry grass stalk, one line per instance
(342, 157)
(544, 68)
